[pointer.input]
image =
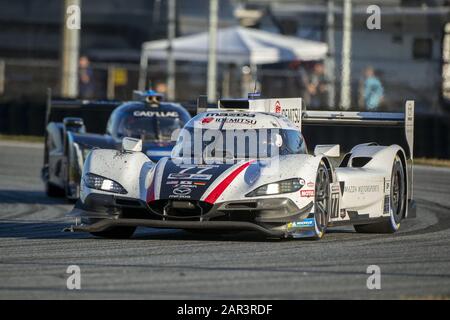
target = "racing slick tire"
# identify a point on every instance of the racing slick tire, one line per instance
(116, 233)
(53, 191)
(71, 192)
(397, 203)
(321, 200)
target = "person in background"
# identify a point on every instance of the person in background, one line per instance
(373, 90)
(161, 87)
(302, 80)
(85, 77)
(317, 87)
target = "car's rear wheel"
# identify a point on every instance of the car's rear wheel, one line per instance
(321, 200)
(116, 233)
(397, 203)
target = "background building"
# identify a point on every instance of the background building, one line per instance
(408, 53)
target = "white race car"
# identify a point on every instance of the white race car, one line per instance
(245, 166)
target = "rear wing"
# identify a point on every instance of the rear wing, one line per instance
(290, 107)
(346, 128)
(95, 113)
(351, 128)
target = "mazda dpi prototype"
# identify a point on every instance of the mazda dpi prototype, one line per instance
(246, 166)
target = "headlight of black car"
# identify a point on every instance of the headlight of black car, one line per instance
(94, 181)
(284, 186)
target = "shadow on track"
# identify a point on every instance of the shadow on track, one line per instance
(28, 197)
(31, 229)
(36, 230)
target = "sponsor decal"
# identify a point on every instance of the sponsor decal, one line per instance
(293, 114)
(277, 107)
(237, 120)
(362, 189)
(387, 204)
(233, 114)
(182, 191)
(172, 182)
(310, 184)
(199, 183)
(183, 188)
(189, 176)
(207, 120)
(230, 119)
(161, 114)
(307, 193)
(387, 186)
(305, 223)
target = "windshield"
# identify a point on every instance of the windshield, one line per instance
(149, 128)
(238, 144)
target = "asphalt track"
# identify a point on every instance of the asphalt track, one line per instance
(173, 264)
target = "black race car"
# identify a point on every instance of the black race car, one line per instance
(67, 142)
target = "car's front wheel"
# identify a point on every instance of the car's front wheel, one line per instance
(73, 176)
(321, 200)
(53, 191)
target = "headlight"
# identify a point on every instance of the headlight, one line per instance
(284, 186)
(94, 181)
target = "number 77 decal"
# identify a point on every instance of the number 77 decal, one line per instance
(334, 205)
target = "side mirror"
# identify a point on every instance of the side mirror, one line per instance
(131, 144)
(74, 124)
(329, 150)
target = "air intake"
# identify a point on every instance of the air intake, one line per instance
(359, 162)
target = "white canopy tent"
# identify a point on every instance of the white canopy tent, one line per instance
(235, 45)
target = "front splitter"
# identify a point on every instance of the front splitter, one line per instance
(105, 224)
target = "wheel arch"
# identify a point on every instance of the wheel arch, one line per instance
(329, 166)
